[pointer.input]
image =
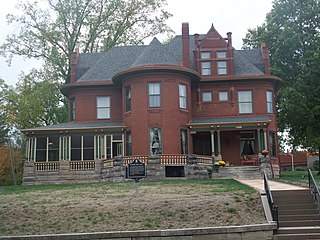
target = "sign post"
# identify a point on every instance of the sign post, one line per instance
(137, 170)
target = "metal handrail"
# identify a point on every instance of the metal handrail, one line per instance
(314, 188)
(273, 207)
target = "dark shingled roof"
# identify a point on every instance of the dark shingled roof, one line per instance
(103, 66)
(155, 53)
(78, 125)
(245, 119)
(243, 66)
(112, 62)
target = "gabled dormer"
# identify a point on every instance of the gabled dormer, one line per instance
(213, 55)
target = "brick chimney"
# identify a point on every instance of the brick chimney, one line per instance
(185, 45)
(229, 38)
(230, 53)
(73, 70)
(265, 56)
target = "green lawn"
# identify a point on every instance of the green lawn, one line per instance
(298, 178)
(166, 204)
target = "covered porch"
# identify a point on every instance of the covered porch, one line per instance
(236, 140)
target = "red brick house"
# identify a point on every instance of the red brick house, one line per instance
(194, 95)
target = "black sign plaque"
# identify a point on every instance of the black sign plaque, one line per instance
(136, 169)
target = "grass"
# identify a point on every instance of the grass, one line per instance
(165, 204)
(299, 178)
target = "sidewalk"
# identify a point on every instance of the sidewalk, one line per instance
(258, 184)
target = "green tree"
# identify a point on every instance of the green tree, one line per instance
(292, 32)
(52, 31)
(35, 101)
(4, 129)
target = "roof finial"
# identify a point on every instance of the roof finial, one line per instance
(212, 29)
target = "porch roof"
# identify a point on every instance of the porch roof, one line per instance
(230, 122)
(76, 127)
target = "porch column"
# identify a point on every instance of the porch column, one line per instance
(212, 143)
(259, 140)
(265, 138)
(219, 143)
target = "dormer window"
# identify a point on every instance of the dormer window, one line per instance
(205, 55)
(205, 68)
(222, 67)
(222, 54)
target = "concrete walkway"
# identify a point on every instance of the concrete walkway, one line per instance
(258, 184)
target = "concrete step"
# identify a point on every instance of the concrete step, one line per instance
(297, 236)
(299, 223)
(297, 211)
(297, 206)
(299, 217)
(288, 230)
(294, 193)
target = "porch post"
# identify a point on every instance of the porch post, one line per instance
(259, 139)
(219, 143)
(212, 143)
(265, 138)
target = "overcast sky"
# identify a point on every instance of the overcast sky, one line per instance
(234, 16)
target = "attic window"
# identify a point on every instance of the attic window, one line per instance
(205, 55)
(222, 67)
(221, 54)
(205, 68)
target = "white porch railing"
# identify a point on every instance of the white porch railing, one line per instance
(129, 159)
(46, 166)
(173, 159)
(82, 165)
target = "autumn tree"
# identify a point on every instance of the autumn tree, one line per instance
(292, 32)
(52, 31)
(35, 101)
(4, 129)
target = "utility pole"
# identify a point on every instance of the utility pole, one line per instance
(11, 163)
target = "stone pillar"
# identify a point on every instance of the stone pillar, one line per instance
(28, 177)
(118, 169)
(154, 168)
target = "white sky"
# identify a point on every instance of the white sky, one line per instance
(234, 16)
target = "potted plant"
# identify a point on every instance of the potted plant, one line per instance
(210, 171)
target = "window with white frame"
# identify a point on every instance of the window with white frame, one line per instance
(245, 101)
(103, 107)
(223, 96)
(155, 141)
(128, 98)
(206, 96)
(128, 143)
(222, 67)
(100, 147)
(183, 96)
(31, 149)
(154, 91)
(64, 148)
(269, 102)
(205, 55)
(205, 68)
(184, 141)
(72, 109)
(221, 54)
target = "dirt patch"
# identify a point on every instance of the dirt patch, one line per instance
(110, 207)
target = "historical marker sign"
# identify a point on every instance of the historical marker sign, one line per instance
(136, 169)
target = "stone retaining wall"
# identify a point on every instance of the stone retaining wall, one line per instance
(246, 232)
(104, 170)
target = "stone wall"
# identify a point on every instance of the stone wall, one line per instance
(104, 170)
(247, 232)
